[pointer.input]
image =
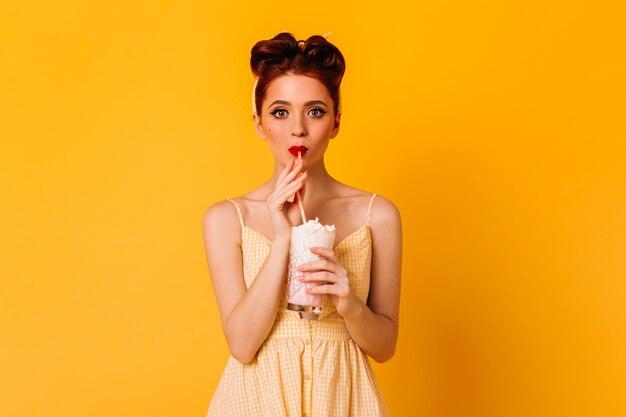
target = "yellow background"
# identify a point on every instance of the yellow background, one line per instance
(497, 128)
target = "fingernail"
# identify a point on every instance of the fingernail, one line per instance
(299, 273)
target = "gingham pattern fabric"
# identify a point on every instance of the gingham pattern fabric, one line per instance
(309, 368)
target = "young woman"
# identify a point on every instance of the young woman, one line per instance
(283, 364)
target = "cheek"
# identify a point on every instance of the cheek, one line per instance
(324, 128)
(271, 126)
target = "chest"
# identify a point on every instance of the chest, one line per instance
(346, 215)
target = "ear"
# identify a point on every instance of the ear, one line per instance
(335, 130)
(256, 119)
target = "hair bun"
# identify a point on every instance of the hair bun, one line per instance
(272, 53)
(317, 49)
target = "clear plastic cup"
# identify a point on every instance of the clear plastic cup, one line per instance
(304, 237)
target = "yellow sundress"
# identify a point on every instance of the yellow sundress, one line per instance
(309, 368)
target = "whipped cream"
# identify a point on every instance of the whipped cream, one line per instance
(316, 225)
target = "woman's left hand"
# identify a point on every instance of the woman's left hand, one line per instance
(333, 280)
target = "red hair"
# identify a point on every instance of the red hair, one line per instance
(283, 55)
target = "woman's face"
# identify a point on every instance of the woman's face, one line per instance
(297, 111)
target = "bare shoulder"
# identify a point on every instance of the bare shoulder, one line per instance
(385, 224)
(384, 213)
(221, 219)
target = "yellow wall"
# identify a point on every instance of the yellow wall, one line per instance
(496, 128)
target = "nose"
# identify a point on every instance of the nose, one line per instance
(298, 128)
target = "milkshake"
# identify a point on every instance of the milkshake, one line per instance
(303, 237)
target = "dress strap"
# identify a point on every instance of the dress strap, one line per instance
(369, 209)
(238, 211)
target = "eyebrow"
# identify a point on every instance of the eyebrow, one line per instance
(308, 103)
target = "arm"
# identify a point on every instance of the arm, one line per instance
(247, 315)
(374, 326)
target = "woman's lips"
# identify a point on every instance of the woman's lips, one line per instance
(295, 149)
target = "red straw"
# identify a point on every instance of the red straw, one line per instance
(300, 198)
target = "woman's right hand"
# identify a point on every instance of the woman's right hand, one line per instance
(286, 186)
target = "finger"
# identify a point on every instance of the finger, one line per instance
(324, 253)
(291, 189)
(323, 289)
(290, 175)
(321, 265)
(323, 276)
(298, 181)
(285, 171)
(280, 196)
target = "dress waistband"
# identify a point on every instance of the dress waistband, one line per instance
(289, 325)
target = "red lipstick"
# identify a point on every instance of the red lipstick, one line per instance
(295, 149)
